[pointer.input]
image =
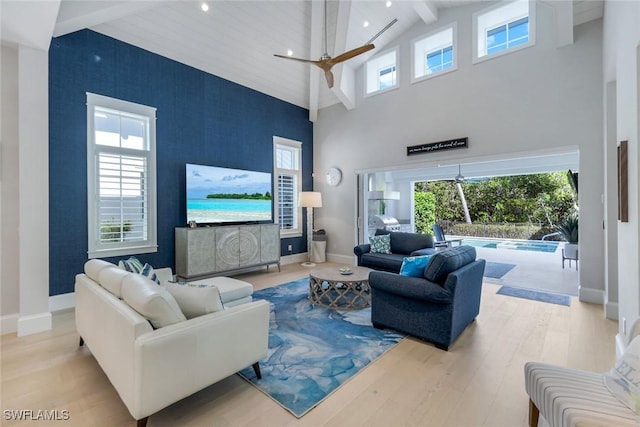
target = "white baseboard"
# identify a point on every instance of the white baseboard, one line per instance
(342, 259)
(611, 310)
(62, 302)
(594, 296)
(9, 324)
(34, 323)
(303, 257)
(294, 258)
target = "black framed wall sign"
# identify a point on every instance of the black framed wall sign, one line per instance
(438, 146)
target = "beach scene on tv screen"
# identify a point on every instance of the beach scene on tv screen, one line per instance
(217, 194)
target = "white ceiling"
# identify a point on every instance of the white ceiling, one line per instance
(236, 40)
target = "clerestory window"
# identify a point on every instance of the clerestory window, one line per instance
(434, 54)
(381, 73)
(504, 29)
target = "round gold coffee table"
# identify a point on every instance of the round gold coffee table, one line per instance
(330, 289)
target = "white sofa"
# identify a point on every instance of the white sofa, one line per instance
(152, 368)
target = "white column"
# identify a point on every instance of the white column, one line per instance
(33, 177)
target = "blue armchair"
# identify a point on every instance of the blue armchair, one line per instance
(436, 307)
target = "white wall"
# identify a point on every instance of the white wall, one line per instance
(25, 191)
(9, 278)
(537, 99)
(621, 58)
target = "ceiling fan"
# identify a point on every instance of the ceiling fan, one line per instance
(326, 62)
(459, 179)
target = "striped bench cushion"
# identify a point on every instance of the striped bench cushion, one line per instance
(571, 397)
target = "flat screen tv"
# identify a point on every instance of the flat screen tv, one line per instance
(217, 195)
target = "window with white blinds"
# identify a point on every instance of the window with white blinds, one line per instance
(287, 165)
(121, 175)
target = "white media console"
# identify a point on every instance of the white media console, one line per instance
(207, 251)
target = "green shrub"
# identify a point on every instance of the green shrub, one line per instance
(425, 211)
(113, 231)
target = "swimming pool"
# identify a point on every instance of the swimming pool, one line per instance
(519, 245)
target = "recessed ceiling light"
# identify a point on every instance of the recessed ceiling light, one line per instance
(366, 24)
(289, 52)
(389, 3)
(204, 7)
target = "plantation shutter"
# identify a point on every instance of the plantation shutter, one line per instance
(286, 201)
(122, 202)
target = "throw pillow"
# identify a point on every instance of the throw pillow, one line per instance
(195, 300)
(132, 265)
(414, 266)
(147, 271)
(380, 244)
(623, 380)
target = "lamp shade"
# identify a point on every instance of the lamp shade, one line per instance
(310, 199)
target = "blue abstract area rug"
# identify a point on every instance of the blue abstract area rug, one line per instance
(496, 270)
(535, 295)
(313, 350)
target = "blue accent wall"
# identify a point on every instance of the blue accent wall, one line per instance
(201, 118)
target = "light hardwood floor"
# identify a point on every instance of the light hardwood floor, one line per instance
(479, 382)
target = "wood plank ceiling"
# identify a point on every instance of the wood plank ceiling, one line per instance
(236, 40)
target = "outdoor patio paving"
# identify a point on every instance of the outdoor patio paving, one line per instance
(534, 270)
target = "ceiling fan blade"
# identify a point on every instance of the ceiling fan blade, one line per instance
(350, 54)
(329, 76)
(309, 61)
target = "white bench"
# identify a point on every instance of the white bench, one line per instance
(571, 397)
(567, 397)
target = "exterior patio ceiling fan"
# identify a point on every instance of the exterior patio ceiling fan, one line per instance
(459, 179)
(326, 62)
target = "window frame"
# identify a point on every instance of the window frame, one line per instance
(454, 45)
(478, 37)
(97, 249)
(373, 67)
(295, 146)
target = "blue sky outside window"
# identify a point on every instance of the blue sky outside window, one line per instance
(439, 60)
(387, 77)
(508, 35)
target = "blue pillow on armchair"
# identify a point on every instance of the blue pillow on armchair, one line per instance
(413, 266)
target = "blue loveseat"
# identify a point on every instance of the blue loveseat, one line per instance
(402, 245)
(436, 307)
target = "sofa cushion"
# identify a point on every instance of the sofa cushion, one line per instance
(93, 266)
(380, 244)
(195, 300)
(444, 262)
(111, 279)
(405, 243)
(388, 262)
(153, 302)
(414, 266)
